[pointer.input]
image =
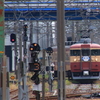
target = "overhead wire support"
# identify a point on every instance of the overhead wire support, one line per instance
(51, 2)
(50, 74)
(22, 89)
(25, 88)
(61, 49)
(3, 67)
(43, 77)
(15, 51)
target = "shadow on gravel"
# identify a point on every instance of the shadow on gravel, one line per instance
(93, 95)
(82, 81)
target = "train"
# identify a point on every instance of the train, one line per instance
(82, 60)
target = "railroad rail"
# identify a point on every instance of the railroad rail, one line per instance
(72, 97)
(14, 93)
(15, 97)
(79, 91)
(47, 98)
(82, 89)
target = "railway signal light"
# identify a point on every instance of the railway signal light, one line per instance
(25, 28)
(34, 47)
(13, 38)
(48, 68)
(25, 37)
(49, 50)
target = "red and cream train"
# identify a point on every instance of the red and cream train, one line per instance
(82, 60)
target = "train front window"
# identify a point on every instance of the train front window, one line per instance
(85, 52)
(95, 52)
(75, 52)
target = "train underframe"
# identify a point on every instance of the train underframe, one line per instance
(83, 75)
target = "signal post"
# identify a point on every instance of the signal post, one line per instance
(25, 38)
(49, 50)
(34, 66)
(22, 88)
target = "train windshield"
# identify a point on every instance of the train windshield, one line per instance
(75, 52)
(95, 52)
(85, 52)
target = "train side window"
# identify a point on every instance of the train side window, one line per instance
(75, 52)
(95, 52)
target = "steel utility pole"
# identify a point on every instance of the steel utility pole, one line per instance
(4, 78)
(2, 47)
(19, 69)
(48, 33)
(31, 32)
(15, 48)
(50, 78)
(25, 87)
(73, 31)
(61, 49)
(1, 78)
(37, 22)
(43, 77)
(22, 89)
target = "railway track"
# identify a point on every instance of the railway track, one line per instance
(74, 91)
(14, 93)
(78, 92)
(47, 98)
(81, 90)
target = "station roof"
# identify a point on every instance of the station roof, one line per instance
(46, 2)
(45, 12)
(50, 9)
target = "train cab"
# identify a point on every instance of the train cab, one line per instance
(85, 61)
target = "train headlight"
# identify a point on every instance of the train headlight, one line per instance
(74, 59)
(92, 59)
(96, 59)
(85, 73)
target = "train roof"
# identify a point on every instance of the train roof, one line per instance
(91, 45)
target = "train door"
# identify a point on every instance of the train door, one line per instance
(85, 61)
